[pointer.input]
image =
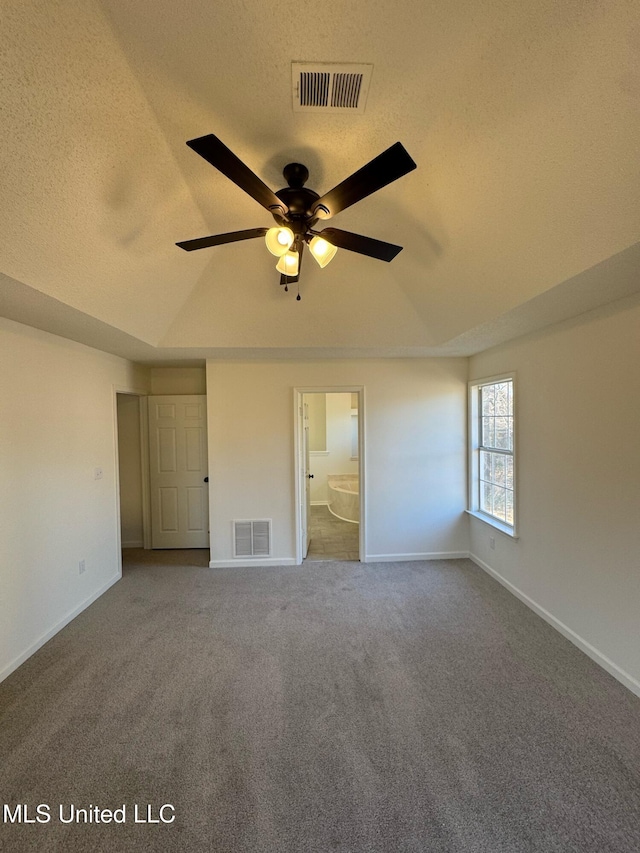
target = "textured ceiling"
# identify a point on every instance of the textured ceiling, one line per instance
(523, 118)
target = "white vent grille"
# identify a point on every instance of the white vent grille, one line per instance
(252, 538)
(328, 88)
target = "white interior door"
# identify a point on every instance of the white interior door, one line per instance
(178, 475)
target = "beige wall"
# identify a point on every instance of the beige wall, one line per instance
(178, 380)
(414, 420)
(58, 424)
(578, 434)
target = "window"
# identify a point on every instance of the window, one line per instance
(492, 452)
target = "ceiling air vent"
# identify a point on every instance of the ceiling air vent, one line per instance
(329, 88)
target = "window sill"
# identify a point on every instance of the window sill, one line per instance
(493, 522)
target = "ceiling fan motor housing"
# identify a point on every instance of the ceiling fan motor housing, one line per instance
(298, 198)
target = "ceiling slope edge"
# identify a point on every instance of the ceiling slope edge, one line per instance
(607, 282)
(31, 307)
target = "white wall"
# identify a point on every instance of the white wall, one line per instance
(578, 438)
(414, 421)
(57, 424)
(130, 470)
(337, 459)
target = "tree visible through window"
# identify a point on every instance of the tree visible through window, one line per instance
(492, 452)
(495, 448)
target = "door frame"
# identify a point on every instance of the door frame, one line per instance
(144, 465)
(298, 438)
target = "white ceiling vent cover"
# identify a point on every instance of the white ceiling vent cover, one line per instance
(252, 538)
(323, 87)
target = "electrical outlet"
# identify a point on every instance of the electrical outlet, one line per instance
(81, 567)
(97, 473)
(492, 543)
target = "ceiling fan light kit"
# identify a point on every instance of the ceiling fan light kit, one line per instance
(296, 208)
(322, 250)
(289, 264)
(278, 240)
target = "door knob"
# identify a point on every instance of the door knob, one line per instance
(310, 476)
(206, 479)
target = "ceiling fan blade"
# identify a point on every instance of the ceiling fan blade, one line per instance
(216, 152)
(363, 245)
(220, 239)
(382, 170)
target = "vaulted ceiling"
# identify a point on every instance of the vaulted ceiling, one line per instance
(523, 118)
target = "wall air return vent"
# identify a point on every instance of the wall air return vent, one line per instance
(252, 538)
(329, 88)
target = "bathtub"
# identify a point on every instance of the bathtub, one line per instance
(344, 496)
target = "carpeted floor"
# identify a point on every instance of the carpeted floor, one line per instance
(333, 707)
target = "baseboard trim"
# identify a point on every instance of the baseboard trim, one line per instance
(134, 543)
(258, 562)
(398, 558)
(319, 503)
(595, 654)
(44, 638)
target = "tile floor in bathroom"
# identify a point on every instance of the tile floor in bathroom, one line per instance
(332, 538)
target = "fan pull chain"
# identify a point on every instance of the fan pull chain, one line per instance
(285, 285)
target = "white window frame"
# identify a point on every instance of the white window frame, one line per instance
(474, 454)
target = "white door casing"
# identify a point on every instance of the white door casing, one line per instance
(306, 510)
(178, 471)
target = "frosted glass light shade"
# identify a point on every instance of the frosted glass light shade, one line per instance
(278, 240)
(322, 251)
(288, 263)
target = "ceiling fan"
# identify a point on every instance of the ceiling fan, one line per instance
(296, 209)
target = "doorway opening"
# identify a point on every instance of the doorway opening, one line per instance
(131, 467)
(161, 464)
(330, 473)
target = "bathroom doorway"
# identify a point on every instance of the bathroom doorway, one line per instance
(329, 462)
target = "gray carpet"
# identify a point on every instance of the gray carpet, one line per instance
(333, 707)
